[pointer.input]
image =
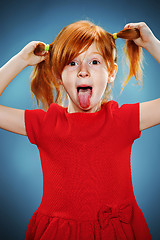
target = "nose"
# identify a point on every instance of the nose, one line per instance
(83, 71)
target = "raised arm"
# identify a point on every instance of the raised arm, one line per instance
(13, 119)
(149, 111)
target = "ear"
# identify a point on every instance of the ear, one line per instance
(112, 75)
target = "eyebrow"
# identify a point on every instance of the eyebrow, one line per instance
(95, 53)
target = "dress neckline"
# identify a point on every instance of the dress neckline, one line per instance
(79, 114)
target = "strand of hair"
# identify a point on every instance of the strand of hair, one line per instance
(40, 48)
(129, 33)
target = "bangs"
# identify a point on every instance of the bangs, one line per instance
(76, 38)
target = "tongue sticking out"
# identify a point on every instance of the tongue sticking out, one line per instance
(84, 96)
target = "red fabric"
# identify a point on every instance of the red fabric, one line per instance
(87, 183)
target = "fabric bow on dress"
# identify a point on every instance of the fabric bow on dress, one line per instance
(115, 216)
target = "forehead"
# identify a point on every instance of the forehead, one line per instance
(93, 49)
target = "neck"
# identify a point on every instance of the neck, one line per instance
(72, 108)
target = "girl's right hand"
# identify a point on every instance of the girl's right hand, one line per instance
(27, 54)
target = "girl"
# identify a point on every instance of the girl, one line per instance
(85, 148)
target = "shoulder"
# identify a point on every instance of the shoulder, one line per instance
(115, 105)
(41, 115)
(54, 107)
(124, 112)
(126, 117)
(54, 113)
(111, 106)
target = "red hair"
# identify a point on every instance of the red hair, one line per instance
(73, 39)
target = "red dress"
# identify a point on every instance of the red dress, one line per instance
(87, 183)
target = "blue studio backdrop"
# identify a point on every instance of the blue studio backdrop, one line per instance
(20, 169)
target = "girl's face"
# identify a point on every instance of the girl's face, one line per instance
(88, 69)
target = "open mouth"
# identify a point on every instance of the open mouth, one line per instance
(84, 89)
(84, 93)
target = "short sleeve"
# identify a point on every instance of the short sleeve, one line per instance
(130, 115)
(33, 123)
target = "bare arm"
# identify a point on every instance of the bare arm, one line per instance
(13, 119)
(149, 114)
(154, 49)
(10, 70)
(149, 111)
(17, 63)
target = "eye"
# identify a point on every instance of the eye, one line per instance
(94, 62)
(73, 63)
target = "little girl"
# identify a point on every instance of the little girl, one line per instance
(85, 148)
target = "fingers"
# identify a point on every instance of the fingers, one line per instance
(44, 53)
(42, 58)
(135, 25)
(34, 44)
(38, 48)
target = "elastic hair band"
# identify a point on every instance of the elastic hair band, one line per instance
(46, 47)
(115, 36)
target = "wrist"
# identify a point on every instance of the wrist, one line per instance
(21, 60)
(152, 45)
(153, 48)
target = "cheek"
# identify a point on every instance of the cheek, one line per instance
(103, 77)
(65, 76)
(67, 79)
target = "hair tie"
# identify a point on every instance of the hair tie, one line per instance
(46, 47)
(115, 36)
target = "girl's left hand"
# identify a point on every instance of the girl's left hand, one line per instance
(146, 36)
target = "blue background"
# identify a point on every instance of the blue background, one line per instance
(20, 169)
